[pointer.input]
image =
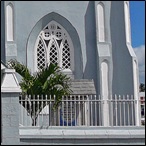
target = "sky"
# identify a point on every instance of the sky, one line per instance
(137, 18)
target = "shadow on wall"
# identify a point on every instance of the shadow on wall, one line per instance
(122, 82)
(91, 53)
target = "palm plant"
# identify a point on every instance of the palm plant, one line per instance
(48, 81)
(142, 87)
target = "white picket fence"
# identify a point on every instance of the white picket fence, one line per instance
(79, 110)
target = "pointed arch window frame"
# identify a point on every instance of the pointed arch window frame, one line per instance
(10, 22)
(101, 23)
(127, 22)
(60, 51)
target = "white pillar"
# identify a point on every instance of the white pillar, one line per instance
(105, 93)
(136, 96)
(10, 107)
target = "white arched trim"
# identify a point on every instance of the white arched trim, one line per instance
(101, 22)
(104, 74)
(10, 22)
(105, 92)
(127, 22)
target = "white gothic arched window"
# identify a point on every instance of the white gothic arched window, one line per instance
(9, 22)
(53, 45)
(127, 22)
(101, 23)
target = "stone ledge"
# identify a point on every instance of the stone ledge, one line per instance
(82, 133)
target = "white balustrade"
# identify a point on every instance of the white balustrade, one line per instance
(77, 110)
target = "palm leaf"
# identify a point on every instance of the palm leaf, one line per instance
(20, 69)
(48, 81)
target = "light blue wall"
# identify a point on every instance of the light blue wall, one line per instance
(79, 19)
(72, 16)
(122, 82)
(34, 12)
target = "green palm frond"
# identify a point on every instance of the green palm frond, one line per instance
(20, 69)
(48, 81)
(23, 71)
(45, 73)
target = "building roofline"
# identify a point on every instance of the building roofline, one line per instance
(4, 64)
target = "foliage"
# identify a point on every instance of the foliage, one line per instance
(142, 87)
(48, 81)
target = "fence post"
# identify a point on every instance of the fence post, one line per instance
(105, 111)
(10, 107)
(87, 111)
(137, 111)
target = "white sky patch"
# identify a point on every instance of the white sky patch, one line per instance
(140, 53)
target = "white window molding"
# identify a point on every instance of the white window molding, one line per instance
(104, 73)
(127, 23)
(105, 92)
(10, 22)
(101, 22)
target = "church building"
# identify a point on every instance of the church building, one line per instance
(89, 40)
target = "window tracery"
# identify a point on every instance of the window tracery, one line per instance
(53, 46)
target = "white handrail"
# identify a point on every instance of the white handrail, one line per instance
(77, 110)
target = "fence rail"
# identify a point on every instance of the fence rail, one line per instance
(78, 110)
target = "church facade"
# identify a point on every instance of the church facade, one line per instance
(87, 39)
(91, 42)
